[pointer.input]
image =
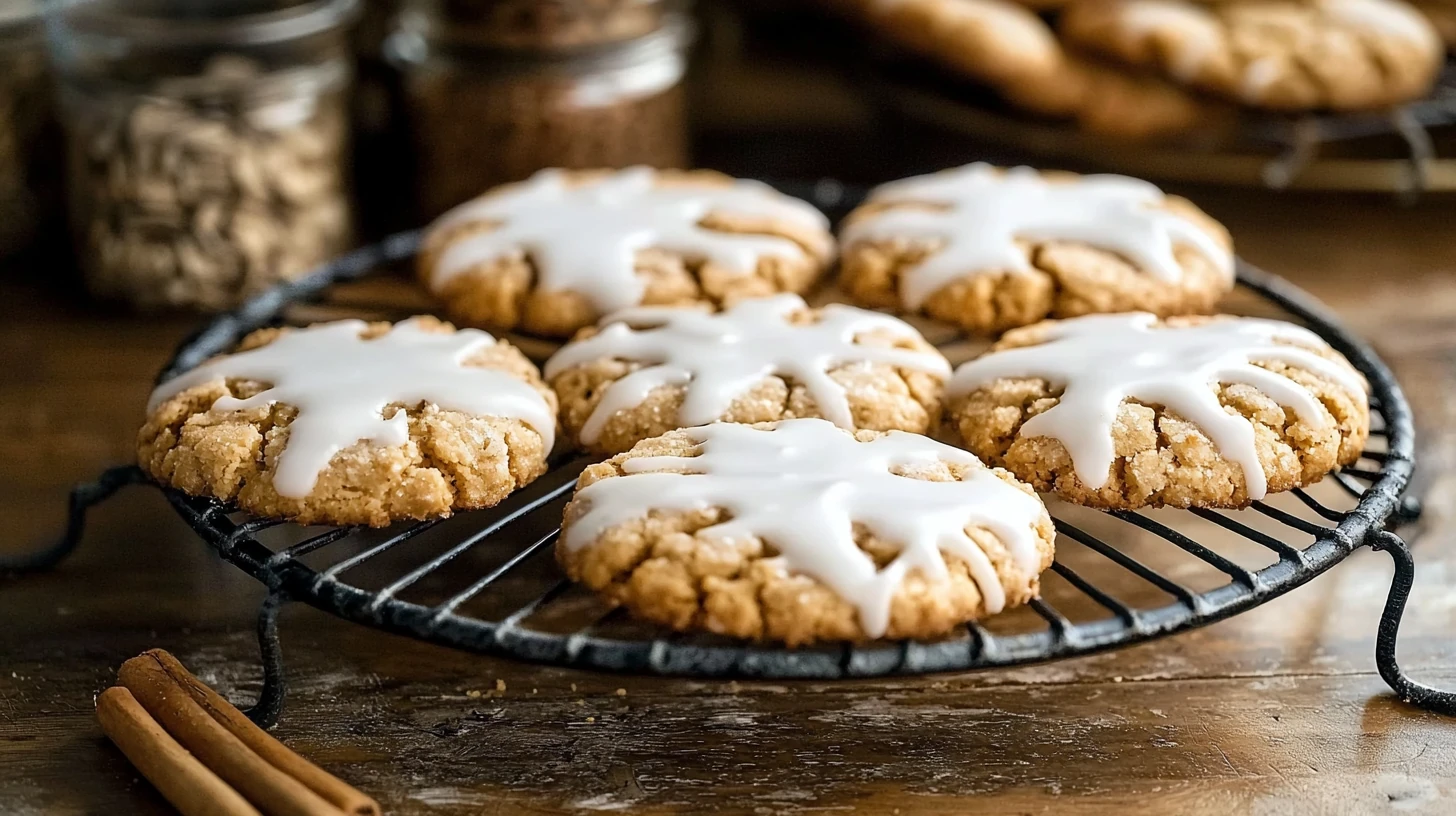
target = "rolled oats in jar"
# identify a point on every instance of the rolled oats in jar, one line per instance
(28, 166)
(498, 89)
(207, 152)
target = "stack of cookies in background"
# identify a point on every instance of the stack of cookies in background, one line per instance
(1141, 68)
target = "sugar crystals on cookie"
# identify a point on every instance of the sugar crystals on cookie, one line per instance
(1122, 411)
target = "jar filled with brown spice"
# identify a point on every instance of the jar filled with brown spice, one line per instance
(498, 89)
(28, 161)
(207, 144)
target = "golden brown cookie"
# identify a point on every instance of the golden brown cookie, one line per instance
(647, 371)
(990, 249)
(998, 43)
(1277, 54)
(1006, 47)
(1127, 411)
(799, 531)
(352, 423)
(553, 254)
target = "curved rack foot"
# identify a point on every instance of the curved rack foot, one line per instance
(264, 713)
(83, 497)
(1410, 691)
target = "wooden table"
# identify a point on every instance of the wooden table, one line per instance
(1277, 710)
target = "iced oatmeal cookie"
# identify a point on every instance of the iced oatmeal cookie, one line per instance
(1125, 411)
(551, 255)
(989, 249)
(353, 423)
(800, 531)
(646, 371)
(1279, 54)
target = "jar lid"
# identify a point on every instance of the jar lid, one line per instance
(220, 22)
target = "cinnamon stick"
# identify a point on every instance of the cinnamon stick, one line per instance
(186, 783)
(338, 792)
(267, 787)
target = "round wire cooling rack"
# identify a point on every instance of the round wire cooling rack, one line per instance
(485, 581)
(1406, 150)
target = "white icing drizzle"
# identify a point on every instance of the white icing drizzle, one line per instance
(719, 357)
(802, 485)
(980, 212)
(1102, 360)
(584, 237)
(341, 383)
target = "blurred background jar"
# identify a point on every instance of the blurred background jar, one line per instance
(29, 161)
(207, 143)
(498, 89)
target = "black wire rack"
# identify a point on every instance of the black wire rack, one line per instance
(485, 581)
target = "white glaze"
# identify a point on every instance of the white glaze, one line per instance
(719, 357)
(803, 485)
(980, 212)
(585, 237)
(1102, 360)
(341, 384)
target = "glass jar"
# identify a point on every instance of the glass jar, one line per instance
(574, 84)
(207, 143)
(29, 164)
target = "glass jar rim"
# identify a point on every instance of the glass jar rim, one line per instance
(263, 27)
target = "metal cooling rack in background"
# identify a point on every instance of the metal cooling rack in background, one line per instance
(486, 582)
(1393, 150)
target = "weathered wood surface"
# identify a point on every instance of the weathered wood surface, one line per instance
(1275, 711)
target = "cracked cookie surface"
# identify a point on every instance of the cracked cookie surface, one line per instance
(553, 254)
(666, 564)
(1158, 455)
(450, 461)
(989, 249)
(1278, 54)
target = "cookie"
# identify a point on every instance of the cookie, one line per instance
(352, 423)
(997, 43)
(647, 371)
(799, 531)
(990, 249)
(1291, 55)
(553, 254)
(1005, 46)
(1126, 411)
